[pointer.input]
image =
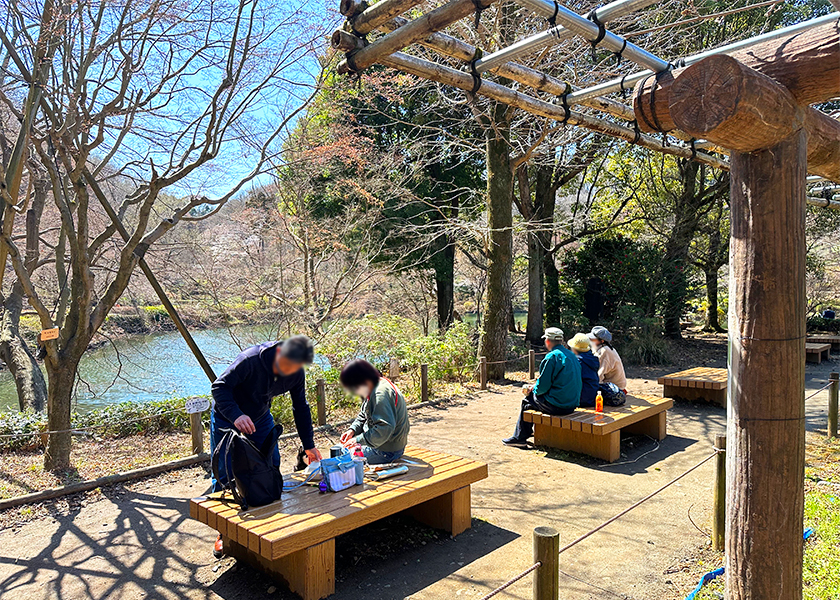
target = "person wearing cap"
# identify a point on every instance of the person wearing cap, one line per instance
(589, 366)
(242, 398)
(611, 369)
(555, 392)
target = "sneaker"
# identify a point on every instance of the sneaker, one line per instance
(218, 548)
(515, 442)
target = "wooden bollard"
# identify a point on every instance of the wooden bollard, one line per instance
(394, 368)
(197, 432)
(424, 383)
(532, 363)
(482, 372)
(832, 404)
(547, 553)
(321, 392)
(719, 517)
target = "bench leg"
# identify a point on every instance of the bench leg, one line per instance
(655, 427)
(716, 396)
(310, 573)
(450, 512)
(606, 447)
(671, 391)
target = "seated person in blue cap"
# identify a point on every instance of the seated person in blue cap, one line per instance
(557, 389)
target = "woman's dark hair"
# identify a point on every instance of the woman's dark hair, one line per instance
(358, 372)
(299, 349)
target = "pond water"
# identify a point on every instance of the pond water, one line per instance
(150, 367)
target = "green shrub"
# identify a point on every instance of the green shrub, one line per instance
(639, 338)
(155, 313)
(373, 337)
(450, 356)
(20, 423)
(820, 324)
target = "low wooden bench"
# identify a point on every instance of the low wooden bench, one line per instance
(834, 340)
(816, 352)
(700, 383)
(599, 434)
(294, 539)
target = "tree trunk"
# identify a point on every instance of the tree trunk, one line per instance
(687, 217)
(62, 378)
(493, 342)
(539, 240)
(766, 423)
(445, 286)
(553, 304)
(29, 380)
(712, 321)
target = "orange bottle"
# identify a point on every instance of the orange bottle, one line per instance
(599, 402)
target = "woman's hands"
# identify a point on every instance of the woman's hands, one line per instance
(347, 437)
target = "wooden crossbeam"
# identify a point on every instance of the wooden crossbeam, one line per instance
(500, 93)
(739, 108)
(363, 20)
(412, 32)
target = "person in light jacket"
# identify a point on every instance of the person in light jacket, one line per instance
(382, 425)
(611, 369)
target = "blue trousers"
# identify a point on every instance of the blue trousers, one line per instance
(380, 457)
(525, 429)
(262, 427)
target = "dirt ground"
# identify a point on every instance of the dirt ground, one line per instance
(137, 541)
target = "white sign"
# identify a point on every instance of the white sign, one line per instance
(197, 405)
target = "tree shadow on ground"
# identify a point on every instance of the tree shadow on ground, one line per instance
(392, 558)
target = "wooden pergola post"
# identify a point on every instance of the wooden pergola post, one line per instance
(760, 121)
(766, 424)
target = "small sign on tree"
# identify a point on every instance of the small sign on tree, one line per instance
(49, 334)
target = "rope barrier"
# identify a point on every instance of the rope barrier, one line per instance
(822, 389)
(638, 503)
(511, 581)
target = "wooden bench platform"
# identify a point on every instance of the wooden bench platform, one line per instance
(825, 338)
(816, 352)
(599, 434)
(700, 383)
(294, 539)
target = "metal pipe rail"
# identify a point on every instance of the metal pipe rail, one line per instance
(629, 81)
(590, 31)
(555, 34)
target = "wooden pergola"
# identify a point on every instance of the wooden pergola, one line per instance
(745, 107)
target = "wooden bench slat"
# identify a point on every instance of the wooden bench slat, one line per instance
(329, 525)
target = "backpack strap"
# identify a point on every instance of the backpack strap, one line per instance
(231, 480)
(271, 439)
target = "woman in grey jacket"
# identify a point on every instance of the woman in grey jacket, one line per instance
(382, 425)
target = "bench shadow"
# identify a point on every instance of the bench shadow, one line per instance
(394, 557)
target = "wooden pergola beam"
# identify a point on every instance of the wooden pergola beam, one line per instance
(412, 32)
(495, 91)
(363, 20)
(806, 63)
(733, 106)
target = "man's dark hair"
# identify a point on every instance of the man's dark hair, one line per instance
(358, 372)
(298, 348)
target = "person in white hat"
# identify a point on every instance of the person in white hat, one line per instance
(588, 368)
(611, 369)
(555, 392)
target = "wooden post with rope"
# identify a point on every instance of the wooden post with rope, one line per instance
(832, 404)
(532, 363)
(321, 394)
(394, 368)
(547, 553)
(719, 516)
(424, 382)
(482, 372)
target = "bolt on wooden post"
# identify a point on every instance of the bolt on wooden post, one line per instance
(321, 392)
(482, 371)
(532, 363)
(424, 383)
(719, 517)
(547, 553)
(833, 390)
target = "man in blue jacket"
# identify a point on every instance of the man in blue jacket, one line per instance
(242, 397)
(555, 392)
